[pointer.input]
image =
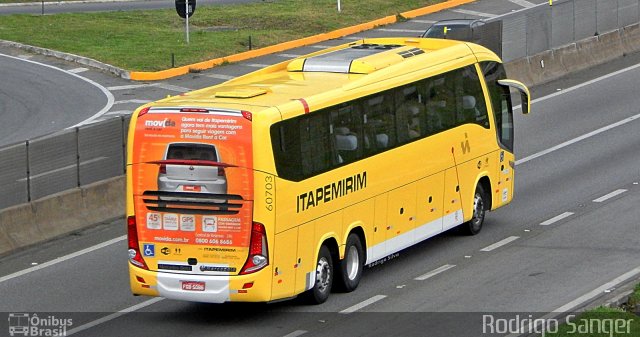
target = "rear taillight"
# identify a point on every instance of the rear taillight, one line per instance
(221, 172)
(134, 247)
(258, 252)
(163, 169)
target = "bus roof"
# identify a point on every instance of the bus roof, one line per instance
(345, 67)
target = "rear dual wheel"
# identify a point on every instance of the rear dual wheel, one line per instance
(347, 274)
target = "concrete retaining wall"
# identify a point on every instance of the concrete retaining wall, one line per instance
(60, 214)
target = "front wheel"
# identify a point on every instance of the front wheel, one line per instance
(352, 265)
(474, 226)
(324, 277)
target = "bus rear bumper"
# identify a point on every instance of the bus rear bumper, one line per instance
(197, 288)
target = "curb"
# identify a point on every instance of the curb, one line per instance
(68, 57)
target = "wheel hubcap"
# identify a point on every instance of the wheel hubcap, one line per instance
(323, 274)
(478, 212)
(353, 262)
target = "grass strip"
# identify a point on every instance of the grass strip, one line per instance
(144, 40)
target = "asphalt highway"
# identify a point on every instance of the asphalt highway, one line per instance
(571, 229)
(570, 235)
(36, 99)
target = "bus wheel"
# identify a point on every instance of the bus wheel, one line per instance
(352, 265)
(324, 277)
(474, 226)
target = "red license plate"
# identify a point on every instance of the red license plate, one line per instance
(192, 286)
(192, 188)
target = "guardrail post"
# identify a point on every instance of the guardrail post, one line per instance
(28, 171)
(77, 155)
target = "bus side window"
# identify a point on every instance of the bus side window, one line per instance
(379, 123)
(410, 113)
(346, 125)
(473, 107)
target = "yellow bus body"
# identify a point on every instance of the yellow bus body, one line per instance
(389, 196)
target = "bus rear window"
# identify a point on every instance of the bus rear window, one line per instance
(190, 151)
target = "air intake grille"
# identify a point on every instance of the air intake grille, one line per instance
(192, 203)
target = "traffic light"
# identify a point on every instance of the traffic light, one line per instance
(181, 8)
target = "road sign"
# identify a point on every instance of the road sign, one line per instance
(181, 7)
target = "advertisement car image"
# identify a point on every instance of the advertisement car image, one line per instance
(192, 167)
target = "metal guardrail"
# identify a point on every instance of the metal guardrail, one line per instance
(83, 155)
(63, 160)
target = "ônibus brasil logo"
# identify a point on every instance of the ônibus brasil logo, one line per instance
(24, 324)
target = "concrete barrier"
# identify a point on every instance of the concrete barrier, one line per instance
(60, 214)
(575, 57)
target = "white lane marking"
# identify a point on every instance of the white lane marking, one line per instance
(78, 70)
(423, 21)
(578, 86)
(114, 315)
(354, 38)
(523, 3)
(118, 113)
(165, 86)
(362, 304)
(136, 101)
(469, 12)
(556, 219)
(127, 87)
(499, 244)
(577, 139)
(435, 272)
(289, 55)
(393, 30)
(64, 168)
(104, 90)
(320, 46)
(296, 333)
(571, 306)
(610, 195)
(172, 87)
(62, 258)
(220, 76)
(255, 65)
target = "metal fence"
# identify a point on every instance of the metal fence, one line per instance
(544, 27)
(54, 163)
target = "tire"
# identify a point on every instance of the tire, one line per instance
(324, 278)
(474, 226)
(351, 267)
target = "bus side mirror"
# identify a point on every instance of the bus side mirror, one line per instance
(524, 93)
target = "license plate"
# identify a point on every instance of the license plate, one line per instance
(192, 188)
(192, 286)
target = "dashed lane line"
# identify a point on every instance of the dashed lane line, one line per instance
(556, 219)
(362, 304)
(610, 195)
(434, 272)
(499, 244)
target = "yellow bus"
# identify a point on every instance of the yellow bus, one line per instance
(290, 179)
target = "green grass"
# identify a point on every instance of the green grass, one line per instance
(145, 40)
(601, 322)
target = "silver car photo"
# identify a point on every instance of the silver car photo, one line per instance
(192, 167)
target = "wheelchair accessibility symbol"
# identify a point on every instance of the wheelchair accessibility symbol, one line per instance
(149, 249)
